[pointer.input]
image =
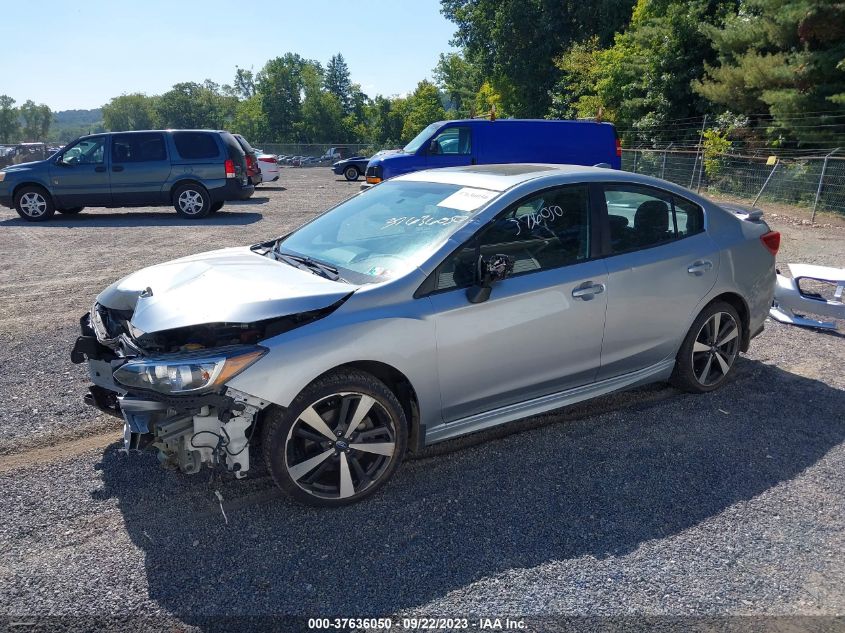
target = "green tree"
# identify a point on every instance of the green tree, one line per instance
(785, 58)
(487, 101)
(279, 86)
(424, 107)
(36, 120)
(250, 120)
(338, 82)
(322, 110)
(193, 105)
(645, 78)
(244, 86)
(460, 80)
(515, 42)
(134, 111)
(8, 119)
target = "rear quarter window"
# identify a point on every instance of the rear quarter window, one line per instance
(689, 217)
(194, 145)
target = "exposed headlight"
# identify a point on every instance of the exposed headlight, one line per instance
(188, 373)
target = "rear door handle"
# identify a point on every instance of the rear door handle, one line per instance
(700, 267)
(99, 168)
(117, 168)
(587, 290)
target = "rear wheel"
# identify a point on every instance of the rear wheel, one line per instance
(710, 349)
(340, 440)
(192, 201)
(34, 204)
(71, 211)
(351, 173)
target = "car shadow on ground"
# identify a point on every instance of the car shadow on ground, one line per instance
(138, 218)
(249, 201)
(598, 485)
(272, 188)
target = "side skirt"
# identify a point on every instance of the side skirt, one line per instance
(480, 421)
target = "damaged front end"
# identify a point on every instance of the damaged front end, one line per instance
(162, 344)
(172, 395)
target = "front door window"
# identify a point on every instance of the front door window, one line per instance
(454, 141)
(89, 151)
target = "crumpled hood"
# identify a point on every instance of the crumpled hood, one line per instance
(231, 285)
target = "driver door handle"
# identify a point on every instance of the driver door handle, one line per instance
(99, 168)
(117, 168)
(700, 267)
(587, 290)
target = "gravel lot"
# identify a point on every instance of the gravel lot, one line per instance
(650, 502)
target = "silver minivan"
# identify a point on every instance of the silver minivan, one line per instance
(433, 305)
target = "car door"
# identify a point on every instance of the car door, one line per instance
(452, 147)
(540, 331)
(661, 265)
(79, 176)
(140, 168)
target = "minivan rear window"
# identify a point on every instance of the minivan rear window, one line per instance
(195, 145)
(245, 144)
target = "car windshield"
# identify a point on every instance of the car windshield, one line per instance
(421, 138)
(388, 230)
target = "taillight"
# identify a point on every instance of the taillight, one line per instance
(619, 148)
(267, 159)
(230, 168)
(771, 241)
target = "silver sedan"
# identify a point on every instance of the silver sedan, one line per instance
(433, 305)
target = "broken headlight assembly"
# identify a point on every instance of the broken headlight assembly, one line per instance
(192, 372)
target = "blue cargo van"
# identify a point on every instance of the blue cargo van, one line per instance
(481, 141)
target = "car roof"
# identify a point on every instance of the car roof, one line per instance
(500, 177)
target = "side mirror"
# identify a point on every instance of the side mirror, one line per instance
(497, 268)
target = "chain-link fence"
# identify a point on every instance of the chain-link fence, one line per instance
(817, 182)
(305, 154)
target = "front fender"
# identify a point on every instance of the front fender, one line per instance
(405, 342)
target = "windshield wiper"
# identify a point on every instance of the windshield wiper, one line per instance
(311, 265)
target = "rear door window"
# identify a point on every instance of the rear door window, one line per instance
(138, 148)
(642, 217)
(193, 145)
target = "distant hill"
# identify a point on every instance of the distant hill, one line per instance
(68, 124)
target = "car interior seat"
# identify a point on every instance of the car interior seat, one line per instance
(651, 223)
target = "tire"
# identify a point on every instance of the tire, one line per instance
(34, 203)
(214, 208)
(71, 211)
(351, 173)
(319, 462)
(704, 362)
(191, 201)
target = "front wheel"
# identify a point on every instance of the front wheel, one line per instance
(351, 173)
(34, 204)
(709, 350)
(192, 201)
(340, 440)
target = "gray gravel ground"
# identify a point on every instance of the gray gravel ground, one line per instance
(650, 502)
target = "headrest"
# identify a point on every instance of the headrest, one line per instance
(652, 215)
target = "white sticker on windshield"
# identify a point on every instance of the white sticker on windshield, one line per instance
(468, 199)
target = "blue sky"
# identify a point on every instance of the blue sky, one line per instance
(80, 53)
